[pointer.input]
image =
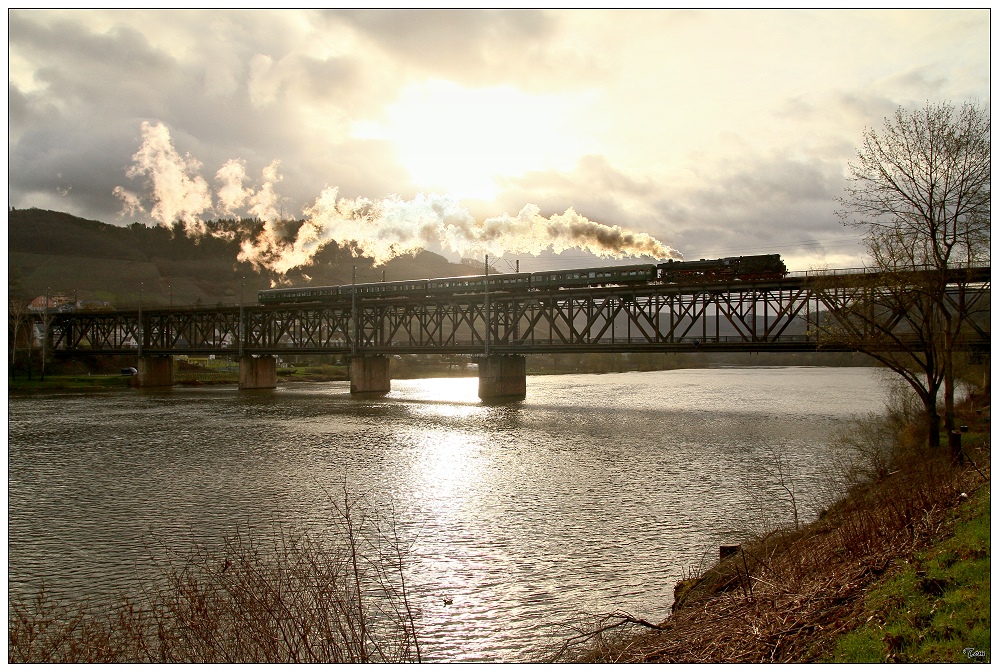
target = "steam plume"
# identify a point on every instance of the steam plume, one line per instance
(179, 193)
(232, 196)
(380, 229)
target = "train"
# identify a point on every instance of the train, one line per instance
(728, 269)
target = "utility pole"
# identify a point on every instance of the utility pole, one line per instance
(487, 305)
(516, 324)
(45, 331)
(240, 331)
(139, 330)
(353, 313)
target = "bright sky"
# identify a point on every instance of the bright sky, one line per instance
(717, 132)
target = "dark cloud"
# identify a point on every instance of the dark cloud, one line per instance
(477, 47)
(73, 131)
(451, 41)
(87, 52)
(21, 110)
(770, 204)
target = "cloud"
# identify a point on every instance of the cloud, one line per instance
(702, 129)
(480, 48)
(100, 77)
(748, 204)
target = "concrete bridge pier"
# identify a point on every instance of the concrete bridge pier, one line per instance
(155, 371)
(257, 373)
(502, 377)
(370, 375)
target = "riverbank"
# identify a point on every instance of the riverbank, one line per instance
(898, 571)
(100, 373)
(67, 383)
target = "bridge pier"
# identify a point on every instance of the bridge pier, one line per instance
(502, 377)
(257, 373)
(155, 371)
(370, 375)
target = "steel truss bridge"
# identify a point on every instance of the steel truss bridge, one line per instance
(782, 315)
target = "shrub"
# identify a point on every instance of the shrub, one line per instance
(338, 597)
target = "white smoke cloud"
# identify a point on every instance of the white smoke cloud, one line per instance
(264, 203)
(231, 195)
(379, 229)
(532, 233)
(178, 192)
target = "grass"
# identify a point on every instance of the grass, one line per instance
(74, 382)
(933, 609)
(314, 373)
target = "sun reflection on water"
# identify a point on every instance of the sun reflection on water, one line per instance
(448, 461)
(455, 570)
(453, 390)
(445, 398)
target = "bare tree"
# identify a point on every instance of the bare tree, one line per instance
(20, 320)
(920, 189)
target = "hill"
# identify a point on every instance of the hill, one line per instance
(91, 260)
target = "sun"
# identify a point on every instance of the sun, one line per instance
(459, 140)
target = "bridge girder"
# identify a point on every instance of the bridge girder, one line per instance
(762, 316)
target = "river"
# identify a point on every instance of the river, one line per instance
(597, 493)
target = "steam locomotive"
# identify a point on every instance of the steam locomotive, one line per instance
(729, 269)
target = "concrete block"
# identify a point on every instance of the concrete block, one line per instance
(502, 377)
(370, 375)
(257, 373)
(155, 371)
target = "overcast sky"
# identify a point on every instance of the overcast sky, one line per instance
(716, 133)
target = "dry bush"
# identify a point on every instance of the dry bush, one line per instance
(878, 444)
(338, 597)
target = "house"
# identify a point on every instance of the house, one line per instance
(55, 302)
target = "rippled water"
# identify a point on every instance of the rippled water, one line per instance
(594, 494)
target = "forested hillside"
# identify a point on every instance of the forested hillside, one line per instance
(90, 260)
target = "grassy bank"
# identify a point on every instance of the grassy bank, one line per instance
(67, 383)
(936, 606)
(897, 571)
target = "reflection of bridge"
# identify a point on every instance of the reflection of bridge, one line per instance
(778, 315)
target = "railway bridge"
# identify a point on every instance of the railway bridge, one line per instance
(793, 314)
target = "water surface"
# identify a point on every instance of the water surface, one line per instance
(595, 494)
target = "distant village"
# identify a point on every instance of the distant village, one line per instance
(61, 303)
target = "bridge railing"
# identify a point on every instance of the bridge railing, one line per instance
(871, 270)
